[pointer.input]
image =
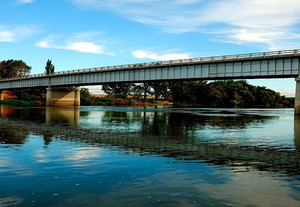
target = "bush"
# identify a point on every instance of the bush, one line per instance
(18, 102)
(103, 101)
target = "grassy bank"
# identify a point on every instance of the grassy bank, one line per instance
(18, 102)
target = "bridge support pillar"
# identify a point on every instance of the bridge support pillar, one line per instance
(297, 97)
(63, 97)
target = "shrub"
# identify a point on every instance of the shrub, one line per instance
(18, 102)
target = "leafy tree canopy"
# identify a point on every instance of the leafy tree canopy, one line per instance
(14, 69)
(120, 90)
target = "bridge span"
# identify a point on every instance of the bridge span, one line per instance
(273, 64)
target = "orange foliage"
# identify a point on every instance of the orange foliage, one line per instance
(8, 95)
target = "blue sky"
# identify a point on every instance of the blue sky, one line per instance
(78, 34)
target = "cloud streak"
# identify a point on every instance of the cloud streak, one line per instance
(25, 1)
(153, 56)
(266, 22)
(80, 43)
(14, 33)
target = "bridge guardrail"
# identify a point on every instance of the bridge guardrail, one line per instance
(295, 52)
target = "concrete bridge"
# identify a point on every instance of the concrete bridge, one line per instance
(273, 64)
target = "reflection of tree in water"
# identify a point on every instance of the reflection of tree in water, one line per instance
(155, 124)
(116, 116)
(125, 117)
(12, 136)
(233, 122)
(38, 114)
(84, 113)
(178, 125)
(47, 136)
(24, 113)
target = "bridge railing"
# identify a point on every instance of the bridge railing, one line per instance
(295, 52)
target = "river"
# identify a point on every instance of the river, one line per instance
(147, 156)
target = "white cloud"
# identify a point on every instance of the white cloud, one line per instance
(6, 36)
(76, 44)
(153, 56)
(86, 47)
(13, 33)
(25, 1)
(266, 22)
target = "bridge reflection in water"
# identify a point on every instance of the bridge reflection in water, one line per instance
(63, 123)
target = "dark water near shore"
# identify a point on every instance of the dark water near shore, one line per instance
(127, 156)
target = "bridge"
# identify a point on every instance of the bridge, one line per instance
(272, 64)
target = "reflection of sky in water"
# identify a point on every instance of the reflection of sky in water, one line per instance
(278, 132)
(69, 174)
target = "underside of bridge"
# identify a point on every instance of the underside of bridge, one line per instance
(63, 97)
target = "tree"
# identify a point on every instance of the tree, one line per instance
(179, 91)
(198, 91)
(214, 95)
(29, 94)
(86, 98)
(137, 91)
(141, 90)
(49, 68)
(146, 89)
(118, 90)
(14, 69)
(159, 89)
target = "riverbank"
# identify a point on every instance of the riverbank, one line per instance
(105, 100)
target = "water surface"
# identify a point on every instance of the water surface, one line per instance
(136, 156)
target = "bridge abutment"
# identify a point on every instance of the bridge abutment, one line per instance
(63, 97)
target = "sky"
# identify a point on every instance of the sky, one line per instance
(78, 34)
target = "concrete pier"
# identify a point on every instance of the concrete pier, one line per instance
(63, 97)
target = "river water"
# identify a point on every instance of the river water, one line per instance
(136, 156)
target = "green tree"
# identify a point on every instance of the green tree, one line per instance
(214, 96)
(146, 89)
(118, 90)
(179, 91)
(137, 91)
(86, 98)
(159, 89)
(29, 94)
(49, 68)
(14, 69)
(197, 92)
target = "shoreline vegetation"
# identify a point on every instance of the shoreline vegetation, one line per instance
(111, 101)
(204, 94)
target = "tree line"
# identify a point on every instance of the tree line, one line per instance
(220, 93)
